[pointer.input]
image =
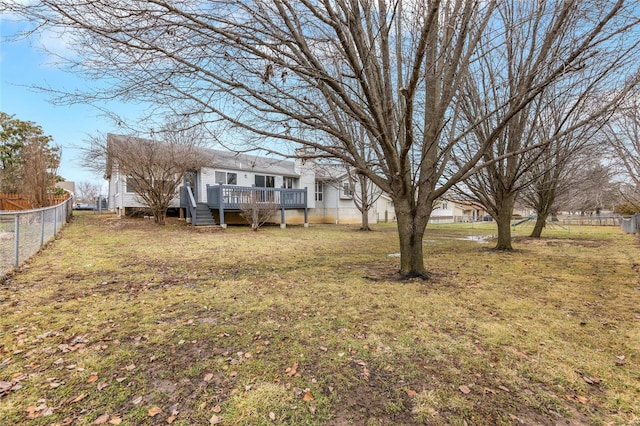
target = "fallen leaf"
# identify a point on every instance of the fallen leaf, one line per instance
(171, 419)
(101, 386)
(78, 398)
(411, 392)
(5, 386)
(592, 380)
(291, 371)
(465, 389)
(214, 420)
(130, 367)
(208, 377)
(18, 376)
(137, 400)
(504, 388)
(308, 396)
(101, 420)
(115, 420)
(40, 411)
(365, 373)
(92, 378)
(154, 411)
(216, 409)
(272, 416)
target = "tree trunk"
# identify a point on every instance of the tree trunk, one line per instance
(365, 207)
(411, 229)
(540, 224)
(543, 210)
(254, 216)
(365, 221)
(160, 217)
(503, 219)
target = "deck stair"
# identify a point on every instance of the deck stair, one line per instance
(203, 215)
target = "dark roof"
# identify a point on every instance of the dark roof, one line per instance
(251, 163)
(232, 160)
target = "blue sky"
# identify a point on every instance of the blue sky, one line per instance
(23, 65)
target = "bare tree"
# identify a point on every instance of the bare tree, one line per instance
(553, 176)
(293, 70)
(537, 36)
(154, 168)
(593, 188)
(257, 206)
(88, 191)
(622, 134)
(39, 170)
(365, 192)
(365, 198)
(28, 160)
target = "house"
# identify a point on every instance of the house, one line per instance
(303, 190)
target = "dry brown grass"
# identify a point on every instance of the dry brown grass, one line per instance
(118, 319)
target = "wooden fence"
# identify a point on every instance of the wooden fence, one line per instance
(15, 202)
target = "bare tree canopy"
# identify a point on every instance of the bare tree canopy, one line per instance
(257, 207)
(298, 70)
(623, 136)
(88, 192)
(28, 160)
(531, 61)
(153, 168)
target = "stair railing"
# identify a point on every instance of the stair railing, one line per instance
(192, 205)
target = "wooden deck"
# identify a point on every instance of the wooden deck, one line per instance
(232, 198)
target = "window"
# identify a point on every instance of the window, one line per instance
(347, 190)
(444, 205)
(132, 185)
(226, 178)
(319, 188)
(265, 181)
(287, 182)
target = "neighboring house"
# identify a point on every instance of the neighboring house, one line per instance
(307, 191)
(448, 210)
(465, 211)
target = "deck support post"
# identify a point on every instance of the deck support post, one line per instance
(221, 206)
(282, 218)
(306, 209)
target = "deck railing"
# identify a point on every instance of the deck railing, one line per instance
(231, 197)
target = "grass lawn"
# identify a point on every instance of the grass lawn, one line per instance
(122, 322)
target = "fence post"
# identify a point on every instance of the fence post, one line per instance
(41, 228)
(16, 239)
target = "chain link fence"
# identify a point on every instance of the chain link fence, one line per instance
(23, 233)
